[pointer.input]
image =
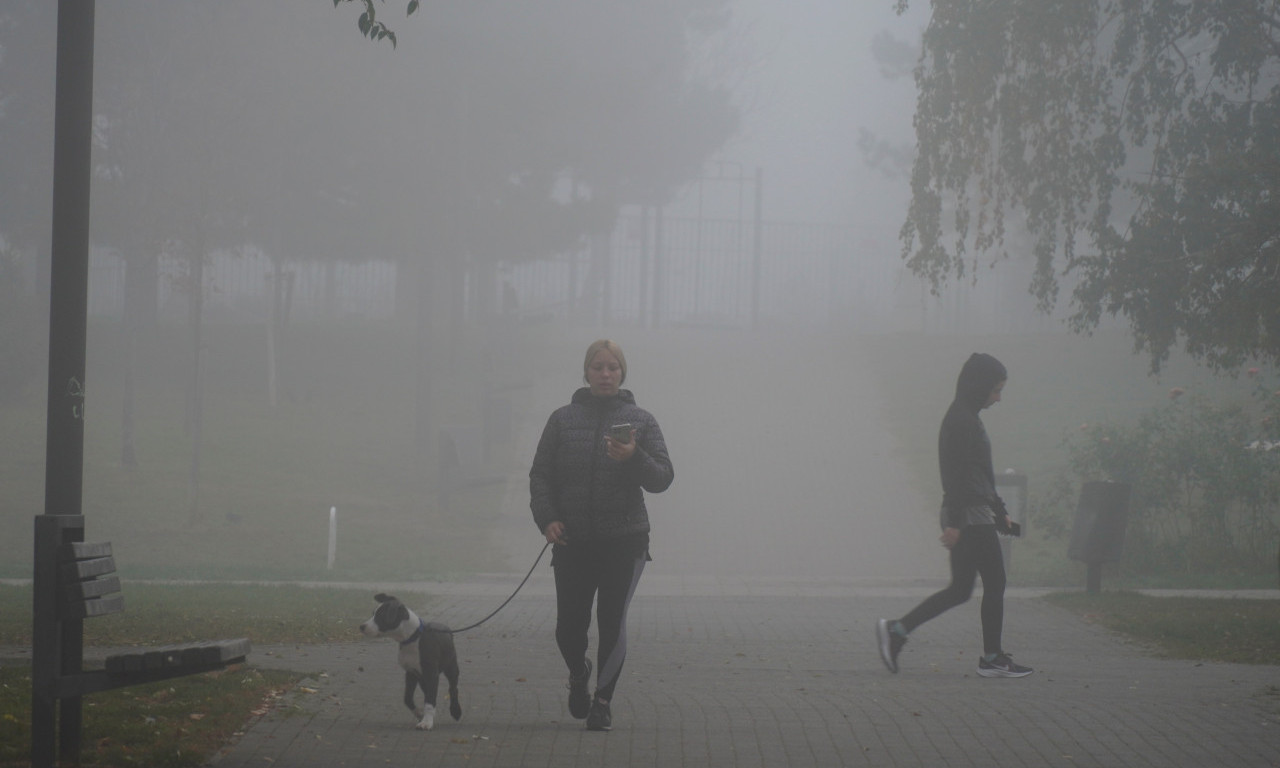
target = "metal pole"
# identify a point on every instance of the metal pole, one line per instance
(757, 250)
(658, 273)
(69, 276)
(697, 253)
(646, 258)
(68, 310)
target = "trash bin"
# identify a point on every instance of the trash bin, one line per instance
(1097, 536)
(1012, 487)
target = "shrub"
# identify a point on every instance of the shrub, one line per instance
(1205, 482)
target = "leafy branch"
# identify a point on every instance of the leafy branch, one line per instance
(368, 22)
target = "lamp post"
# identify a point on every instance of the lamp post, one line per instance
(68, 311)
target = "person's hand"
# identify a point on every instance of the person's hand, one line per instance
(949, 537)
(555, 532)
(620, 451)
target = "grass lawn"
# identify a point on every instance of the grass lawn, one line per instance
(168, 724)
(1237, 631)
(183, 721)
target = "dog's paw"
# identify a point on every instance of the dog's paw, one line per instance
(455, 709)
(428, 718)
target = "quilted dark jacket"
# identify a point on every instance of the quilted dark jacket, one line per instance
(573, 480)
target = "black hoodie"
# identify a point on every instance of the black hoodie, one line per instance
(964, 450)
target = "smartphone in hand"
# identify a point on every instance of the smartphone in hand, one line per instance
(1012, 529)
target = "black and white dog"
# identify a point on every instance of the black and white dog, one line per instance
(426, 652)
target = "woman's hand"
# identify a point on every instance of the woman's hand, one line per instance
(948, 538)
(555, 533)
(620, 451)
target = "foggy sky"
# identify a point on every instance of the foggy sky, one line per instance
(818, 84)
(776, 478)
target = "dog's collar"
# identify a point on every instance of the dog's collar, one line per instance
(416, 633)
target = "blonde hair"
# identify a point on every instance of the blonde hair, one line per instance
(613, 349)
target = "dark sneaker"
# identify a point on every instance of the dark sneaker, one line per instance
(890, 644)
(600, 718)
(1002, 666)
(579, 696)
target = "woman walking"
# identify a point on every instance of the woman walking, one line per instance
(596, 458)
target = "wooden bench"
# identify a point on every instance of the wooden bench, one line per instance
(73, 581)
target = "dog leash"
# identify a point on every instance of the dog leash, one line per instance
(504, 602)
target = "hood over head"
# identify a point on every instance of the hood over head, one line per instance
(980, 374)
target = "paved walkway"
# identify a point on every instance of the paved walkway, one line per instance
(773, 675)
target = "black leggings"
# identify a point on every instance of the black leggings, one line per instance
(607, 573)
(976, 553)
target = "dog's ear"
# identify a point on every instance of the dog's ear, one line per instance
(383, 598)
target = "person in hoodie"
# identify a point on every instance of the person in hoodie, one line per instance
(972, 514)
(586, 491)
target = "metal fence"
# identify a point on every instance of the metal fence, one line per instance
(651, 272)
(726, 273)
(238, 287)
(677, 272)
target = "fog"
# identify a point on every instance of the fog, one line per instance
(786, 472)
(309, 146)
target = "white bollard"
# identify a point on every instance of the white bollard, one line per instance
(333, 534)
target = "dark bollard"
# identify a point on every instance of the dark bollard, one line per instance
(1098, 534)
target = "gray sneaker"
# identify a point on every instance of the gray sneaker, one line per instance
(890, 644)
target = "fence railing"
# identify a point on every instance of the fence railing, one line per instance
(652, 272)
(238, 286)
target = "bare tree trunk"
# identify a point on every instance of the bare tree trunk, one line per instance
(331, 308)
(195, 401)
(139, 314)
(422, 351)
(456, 274)
(274, 281)
(128, 448)
(405, 291)
(595, 290)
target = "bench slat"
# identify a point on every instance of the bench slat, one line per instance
(84, 590)
(83, 550)
(210, 653)
(79, 570)
(97, 606)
